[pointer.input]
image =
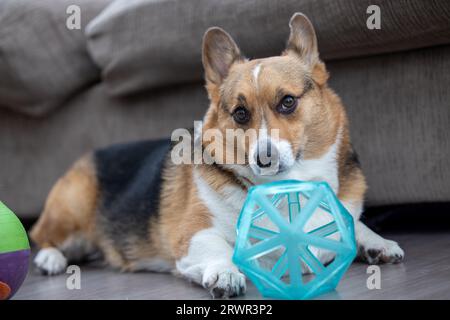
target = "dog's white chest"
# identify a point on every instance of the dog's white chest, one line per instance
(226, 206)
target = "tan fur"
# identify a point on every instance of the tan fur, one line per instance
(70, 207)
(182, 213)
(352, 183)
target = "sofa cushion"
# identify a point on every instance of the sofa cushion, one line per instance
(143, 44)
(398, 106)
(35, 152)
(42, 62)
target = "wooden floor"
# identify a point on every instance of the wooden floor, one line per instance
(425, 274)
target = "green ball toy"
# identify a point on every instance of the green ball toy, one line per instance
(14, 253)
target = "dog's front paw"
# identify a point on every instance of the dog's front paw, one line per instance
(384, 251)
(50, 261)
(224, 281)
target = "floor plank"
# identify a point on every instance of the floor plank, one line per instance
(425, 274)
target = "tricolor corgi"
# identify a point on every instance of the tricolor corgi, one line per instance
(142, 211)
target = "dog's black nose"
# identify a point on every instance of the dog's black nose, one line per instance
(264, 155)
(261, 164)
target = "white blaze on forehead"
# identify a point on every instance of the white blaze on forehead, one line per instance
(256, 72)
(263, 128)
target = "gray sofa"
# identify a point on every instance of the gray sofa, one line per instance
(133, 71)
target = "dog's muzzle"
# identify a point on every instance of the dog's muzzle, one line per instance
(266, 158)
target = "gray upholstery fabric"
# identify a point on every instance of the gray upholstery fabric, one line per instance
(399, 109)
(42, 62)
(34, 152)
(166, 35)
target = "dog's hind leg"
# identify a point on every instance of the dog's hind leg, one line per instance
(65, 229)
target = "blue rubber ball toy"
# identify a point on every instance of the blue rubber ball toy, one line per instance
(295, 240)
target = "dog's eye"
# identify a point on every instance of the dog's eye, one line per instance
(287, 105)
(241, 115)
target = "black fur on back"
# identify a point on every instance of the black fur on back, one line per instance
(130, 177)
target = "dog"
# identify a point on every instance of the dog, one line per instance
(143, 212)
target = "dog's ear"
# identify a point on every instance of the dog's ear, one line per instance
(219, 53)
(302, 40)
(303, 43)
